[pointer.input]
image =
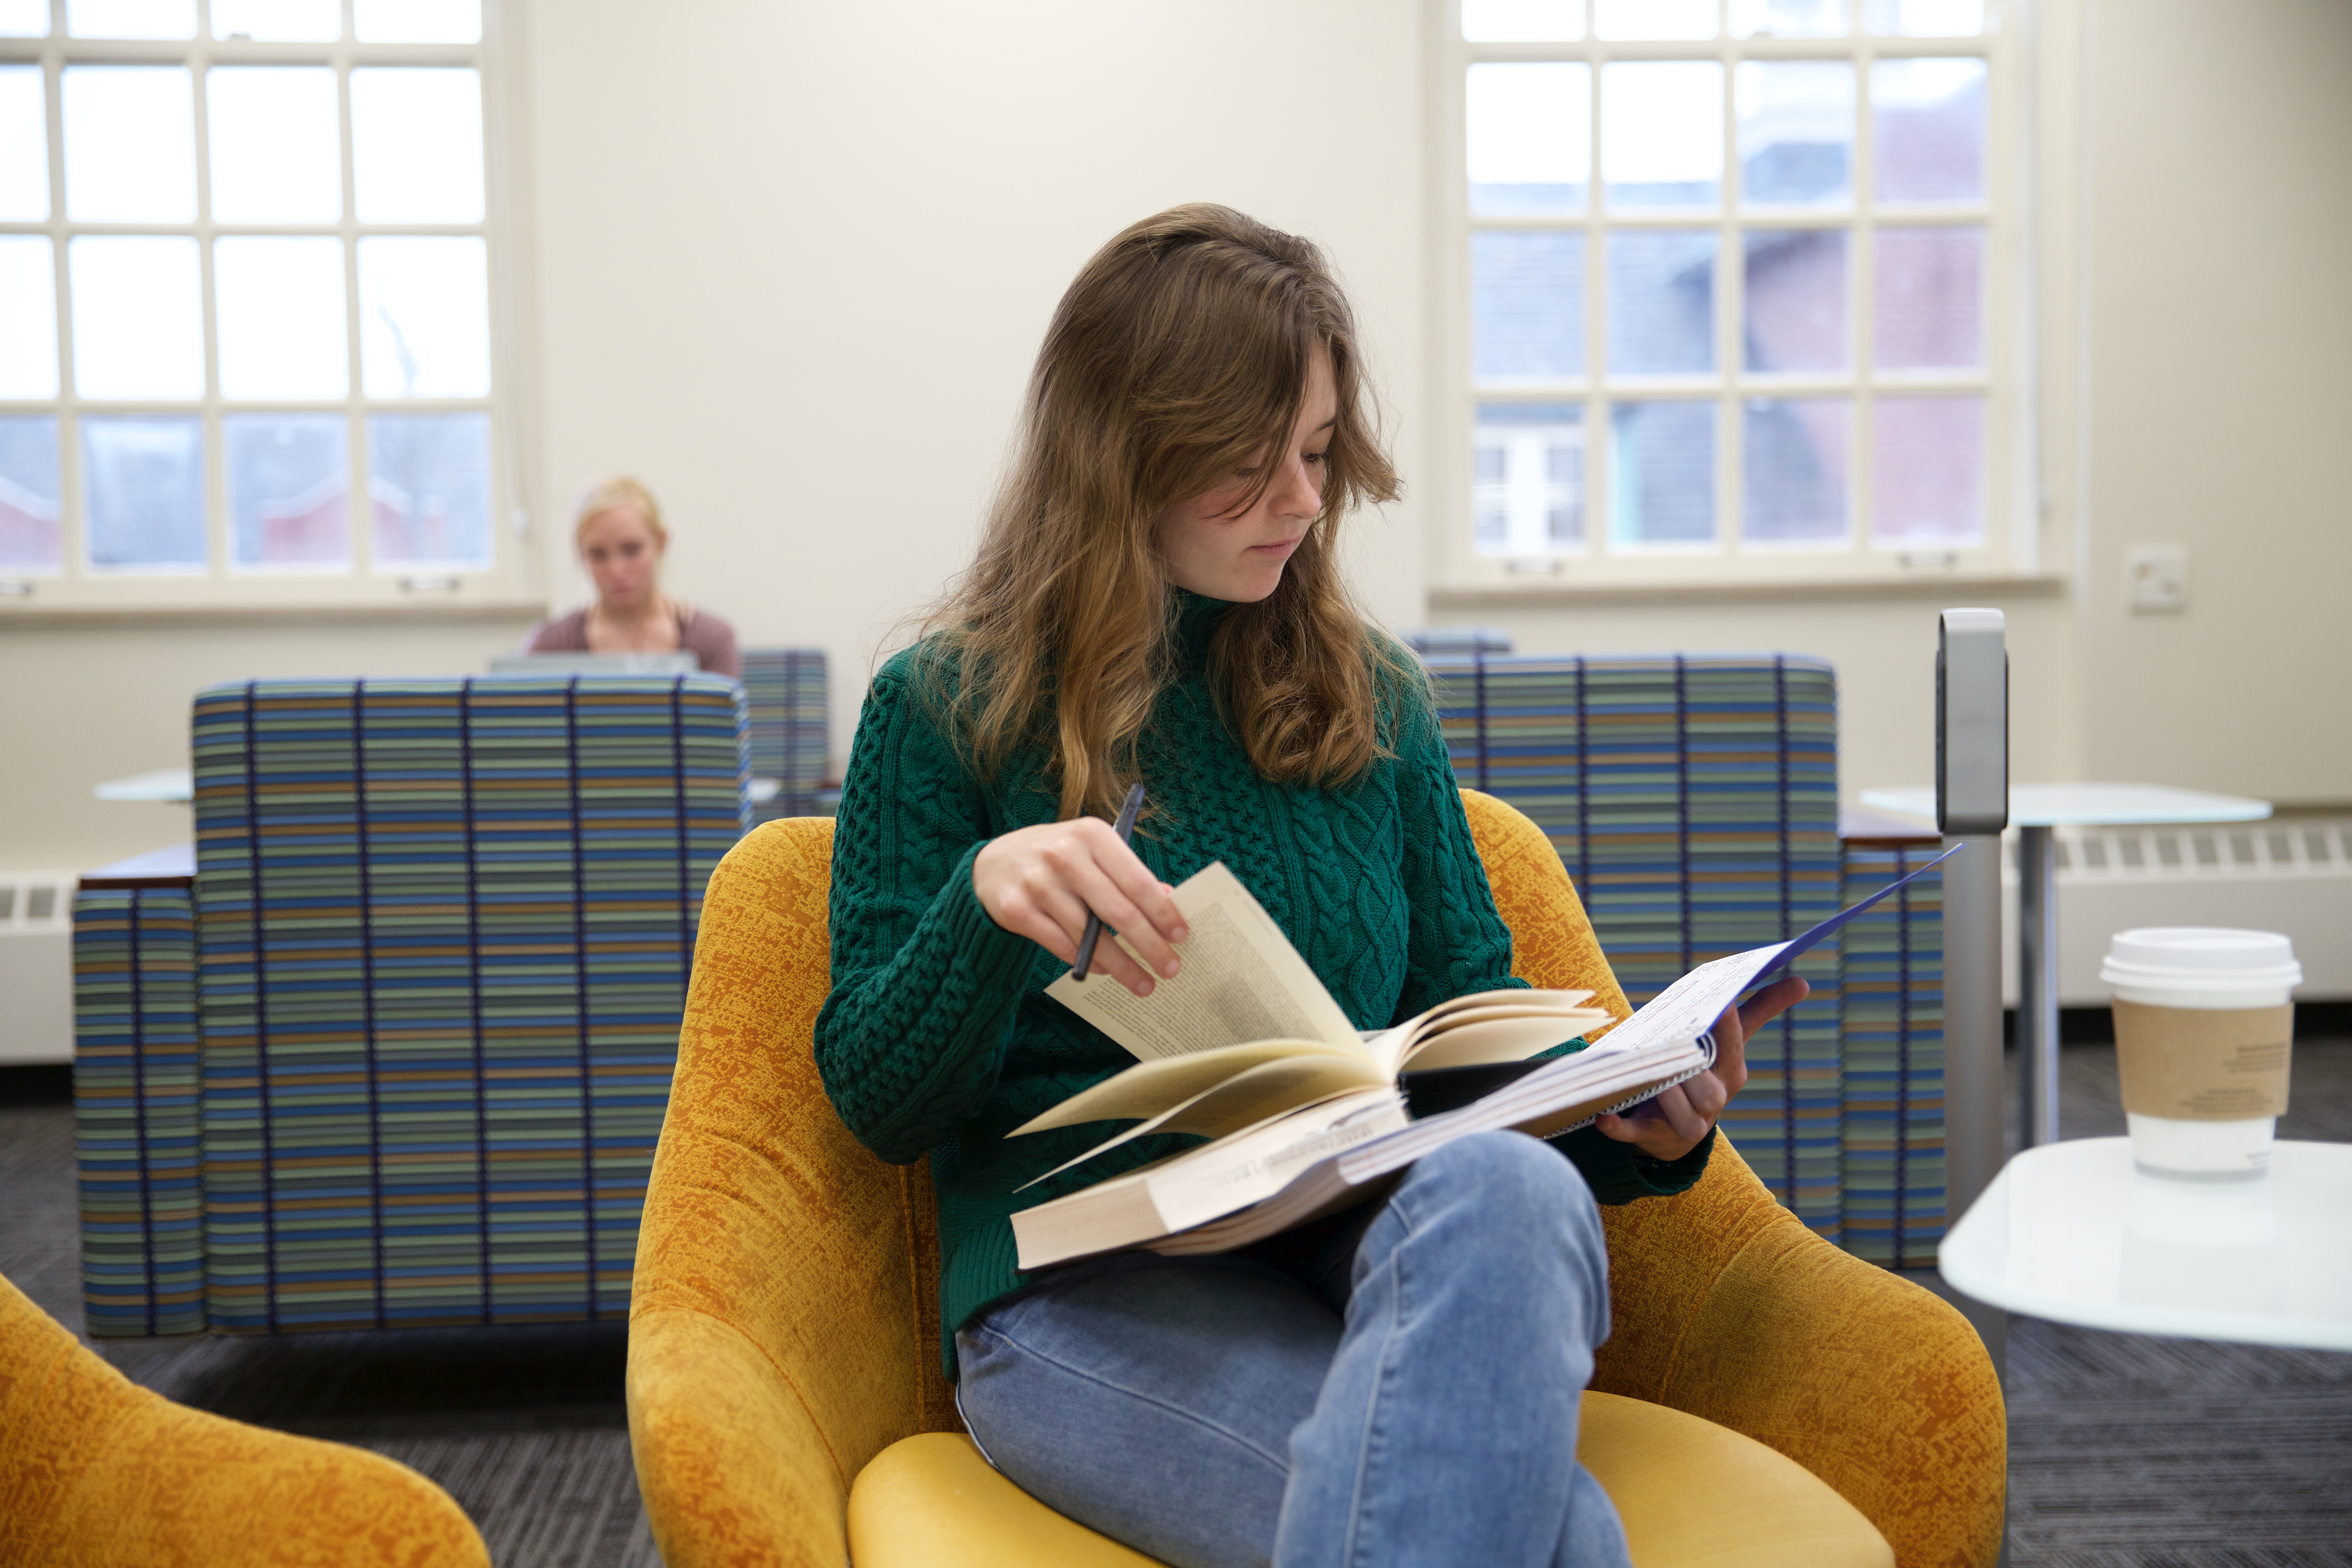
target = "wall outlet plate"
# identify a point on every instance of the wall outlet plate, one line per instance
(2156, 578)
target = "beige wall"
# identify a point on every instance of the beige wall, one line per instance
(789, 263)
(796, 259)
(2221, 393)
(81, 703)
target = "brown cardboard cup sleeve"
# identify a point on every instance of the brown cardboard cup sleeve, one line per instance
(2199, 1064)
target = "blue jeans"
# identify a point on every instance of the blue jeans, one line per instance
(1408, 1398)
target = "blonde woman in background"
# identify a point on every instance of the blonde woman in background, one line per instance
(617, 530)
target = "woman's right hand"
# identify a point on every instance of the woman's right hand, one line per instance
(1043, 881)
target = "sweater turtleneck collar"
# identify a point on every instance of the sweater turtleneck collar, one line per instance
(1196, 617)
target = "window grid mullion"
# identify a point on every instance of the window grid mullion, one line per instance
(235, 52)
(1862, 295)
(211, 438)
(355, 455)
(1730, 305)
(1850, 47)
(71, 552)
(1600, 449)
(1906, 215)
(264, 230)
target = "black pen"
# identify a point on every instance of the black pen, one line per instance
(1125, 829)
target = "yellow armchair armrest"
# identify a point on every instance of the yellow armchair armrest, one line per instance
(784, 1326)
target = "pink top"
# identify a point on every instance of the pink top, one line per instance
(708, 638)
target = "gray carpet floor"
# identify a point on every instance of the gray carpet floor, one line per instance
(2126, 1451)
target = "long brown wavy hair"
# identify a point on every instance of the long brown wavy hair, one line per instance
(1179, 355)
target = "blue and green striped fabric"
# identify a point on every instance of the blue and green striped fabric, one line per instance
(1891, 987)
(135, 1126)
(1694, 800)
(445, 928)
(785, 694)
(431, 911)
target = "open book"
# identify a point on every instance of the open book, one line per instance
(1241, 980)
(1306, 1115)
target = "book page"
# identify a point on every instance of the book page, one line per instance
(1147, 1089)
(1513, 997)
(1237, 1171)
(1242, 981)
(1254, 1164)
(1482, 1039)
(1554, 1098)
(1574, 1093)
(1795, 947)
(1270, 1089)
(1568, 1119)
(1689, 1008)
(1395, 1047)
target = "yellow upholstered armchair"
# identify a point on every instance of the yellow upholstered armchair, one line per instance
(95, 1470)
(1765, 1398)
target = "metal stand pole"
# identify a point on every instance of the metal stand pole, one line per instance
(2037, 987)
(1972, 1066)
(1971, 809)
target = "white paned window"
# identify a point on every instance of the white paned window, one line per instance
(1736, 290)
(248, 285)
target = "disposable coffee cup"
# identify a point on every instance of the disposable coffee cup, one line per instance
(2204, 1027)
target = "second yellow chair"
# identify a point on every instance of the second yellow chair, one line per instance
(96, 1471)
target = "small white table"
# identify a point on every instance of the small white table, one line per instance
(2073, 1232)
(2033, 811)
(165, 783)
(172, 865)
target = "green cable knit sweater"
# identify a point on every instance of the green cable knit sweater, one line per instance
(939, 1039)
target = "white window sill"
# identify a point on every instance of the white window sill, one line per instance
(1565, 591)
(190, 612)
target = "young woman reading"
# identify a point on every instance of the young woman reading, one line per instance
(1158, 596)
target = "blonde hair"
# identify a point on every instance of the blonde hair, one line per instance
(602, 495)
(1178, 353)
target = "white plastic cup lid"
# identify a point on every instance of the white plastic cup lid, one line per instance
(2180, 958)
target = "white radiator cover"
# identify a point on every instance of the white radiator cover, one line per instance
(36, 967)
(2292, 876)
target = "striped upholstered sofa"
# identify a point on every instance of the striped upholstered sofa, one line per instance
(1694, 799)
(398, 1052)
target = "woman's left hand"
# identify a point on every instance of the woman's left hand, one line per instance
(1670, 1124)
